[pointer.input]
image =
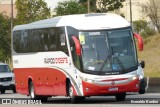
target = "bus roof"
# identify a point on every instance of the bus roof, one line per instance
(80, 22)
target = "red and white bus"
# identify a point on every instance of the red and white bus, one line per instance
(76, 56)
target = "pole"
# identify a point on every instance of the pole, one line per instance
(11, 27)
(88, 4)
(11, 15)
(130, 2)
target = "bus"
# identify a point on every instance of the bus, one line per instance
(77, 56)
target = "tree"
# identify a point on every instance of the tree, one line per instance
(93, 7)
(70, 7)
(103, 5)
(5, 41)
(109, 5)
(141, 27)
(152, 10)
(31, 10)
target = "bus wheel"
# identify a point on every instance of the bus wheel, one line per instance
(31, 91)
(74, 99)
(71, 95)
(142, 91)
(120, 97)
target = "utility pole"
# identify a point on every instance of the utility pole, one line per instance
(11, 27)
(88, 5)
(11, 15)
(130, 2)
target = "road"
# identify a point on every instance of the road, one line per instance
(132, 100)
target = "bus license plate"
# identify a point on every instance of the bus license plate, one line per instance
(113, 89)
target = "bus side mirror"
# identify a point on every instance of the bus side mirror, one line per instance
(142, 63)
(77, 45)
(140, 41)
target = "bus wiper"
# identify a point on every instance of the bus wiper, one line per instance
(104, 63)
(119, 63)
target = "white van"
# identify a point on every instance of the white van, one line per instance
(7, 81)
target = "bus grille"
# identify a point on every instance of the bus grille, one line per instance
(5, 79)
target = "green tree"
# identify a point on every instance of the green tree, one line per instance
(103, 5)
(141, 27)
(93, 7)
(31, 10)
(70, 7)
(5, 50)
(109, 5)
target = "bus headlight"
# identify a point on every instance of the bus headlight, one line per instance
(134, 78)
(87, 80)
(84, 79)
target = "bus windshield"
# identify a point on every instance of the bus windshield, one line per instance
(108, 52)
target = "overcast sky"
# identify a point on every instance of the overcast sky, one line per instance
(53, 3)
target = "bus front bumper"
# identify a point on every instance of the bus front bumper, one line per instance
(91, 89)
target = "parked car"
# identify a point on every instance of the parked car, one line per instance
(7, 81)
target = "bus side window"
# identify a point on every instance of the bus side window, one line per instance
(16, 41)
(24, 41)
(46, 40)
(52, 40)
(61, 40)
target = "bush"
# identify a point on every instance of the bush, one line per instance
(141, 27)
(147, 32)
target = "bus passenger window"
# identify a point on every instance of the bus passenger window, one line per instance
(52, 40)
(45, 47)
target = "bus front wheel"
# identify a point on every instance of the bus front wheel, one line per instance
(74, 99)
(120, 96)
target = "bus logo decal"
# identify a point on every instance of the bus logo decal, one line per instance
(55, 60)
(113, 82)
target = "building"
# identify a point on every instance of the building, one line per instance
(136, 10)
(5, 7)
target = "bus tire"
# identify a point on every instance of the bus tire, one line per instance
(120, 97)
(142, 91)
(71, 94)
(34, 96)
(74, 99)
(32, 91)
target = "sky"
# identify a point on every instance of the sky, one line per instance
(53, 3)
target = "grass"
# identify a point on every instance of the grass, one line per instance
(151, 56)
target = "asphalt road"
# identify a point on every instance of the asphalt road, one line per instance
(132, 100)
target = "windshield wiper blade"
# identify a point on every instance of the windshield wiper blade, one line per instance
(104, 63)
(119, 63)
